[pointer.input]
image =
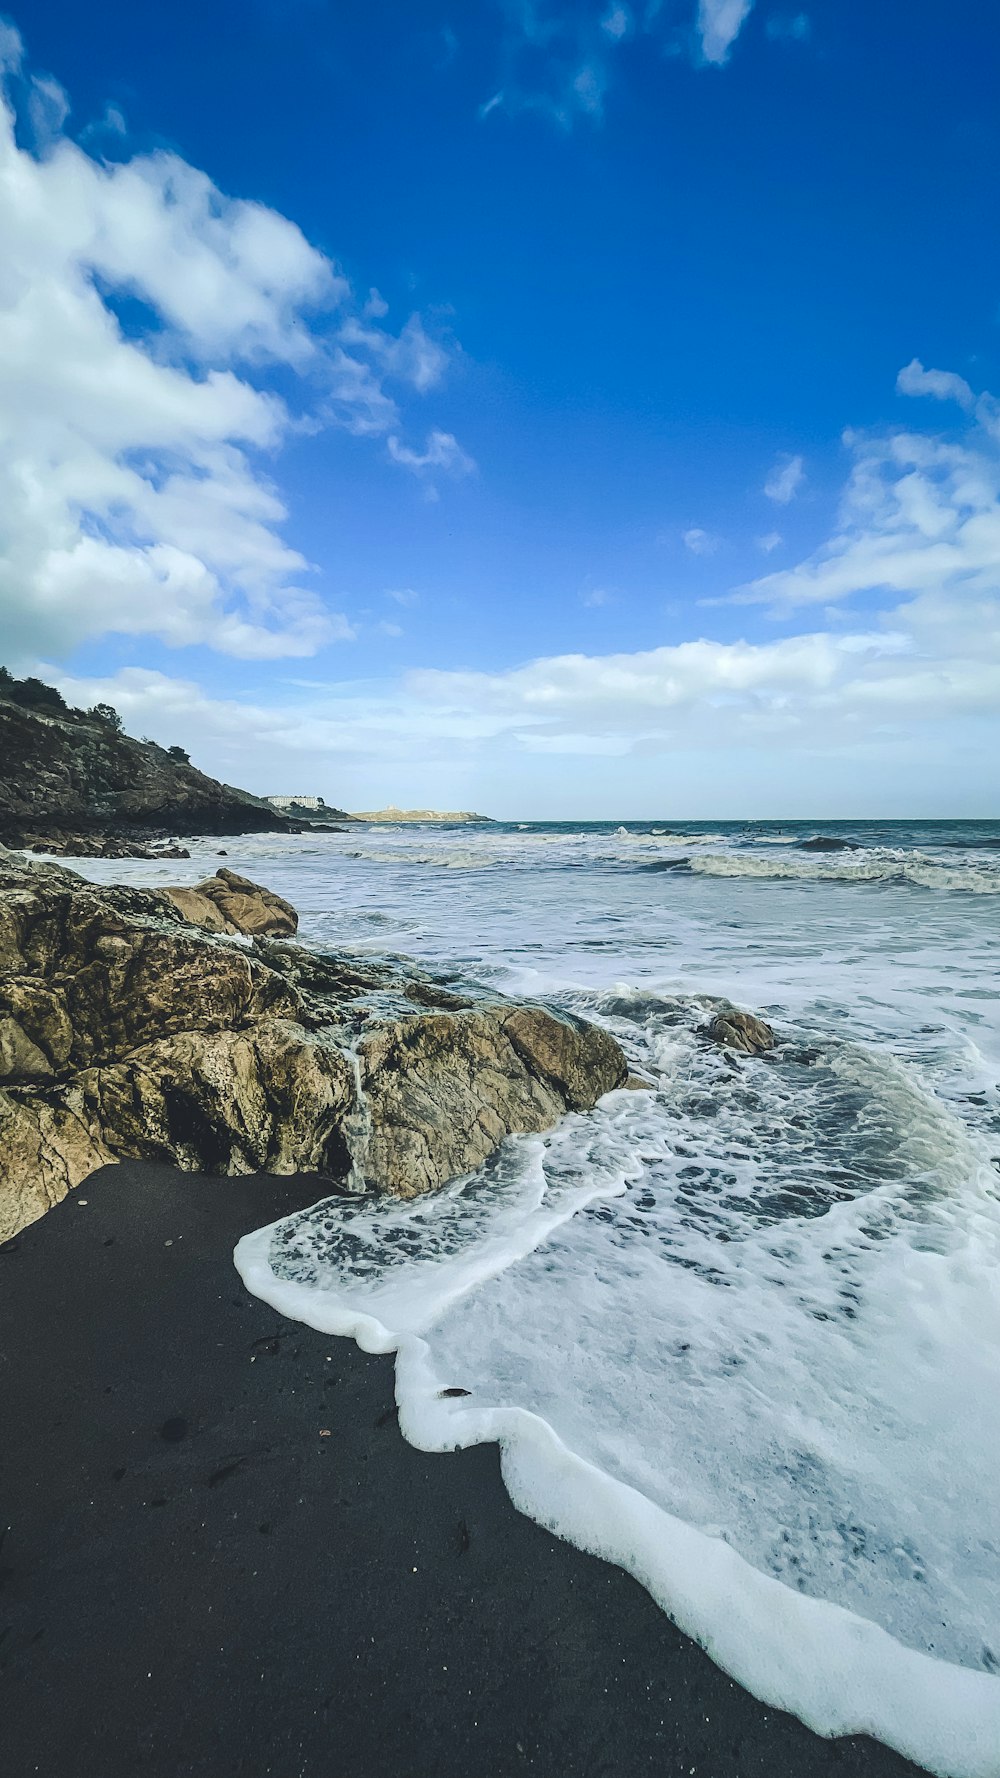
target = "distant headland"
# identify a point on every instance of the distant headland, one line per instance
(393, 817)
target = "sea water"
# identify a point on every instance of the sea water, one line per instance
(740, 1332)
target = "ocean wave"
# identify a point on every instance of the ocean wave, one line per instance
(665, 836)
(870, 865)
(806, 860)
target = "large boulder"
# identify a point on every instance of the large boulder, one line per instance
(127, 1032)
(444, 1089)
(231, 904)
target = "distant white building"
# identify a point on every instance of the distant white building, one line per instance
(298, 802)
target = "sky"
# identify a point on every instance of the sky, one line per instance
(557, 409)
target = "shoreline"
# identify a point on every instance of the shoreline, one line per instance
(222, 1558)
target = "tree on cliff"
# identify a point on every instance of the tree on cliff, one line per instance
(32, 693)
(107, 714)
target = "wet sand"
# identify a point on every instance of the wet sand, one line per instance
(221, 1557)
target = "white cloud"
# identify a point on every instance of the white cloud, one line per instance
(920, 515)
(785, 480)
(699, 542)
(111, 123)
(132, 497)
(11, 48)
(375, 306)
(929, 663)
(390, 629)
(411, 356)
(913, 692)
(325, 729)
(47, 110)
(596, 597)
(907, 685)
(719, 24)
(588, 87)
(617, 22)
(943, 385)
(403, 595)
(441, 451)
(771, 540)
(558, 58)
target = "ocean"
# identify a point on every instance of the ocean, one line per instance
(739, 1333)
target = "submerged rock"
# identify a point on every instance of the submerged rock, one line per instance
(741, 1031)
(128, 1032)
(827, 842)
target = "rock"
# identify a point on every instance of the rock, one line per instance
(128, 1032)
(444, 1089)
(741, 1031)
(430, 994)
(95, 845)
(824, 842)
(198, 910)
(228, 903)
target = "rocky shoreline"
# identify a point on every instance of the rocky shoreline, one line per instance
(184, 1026)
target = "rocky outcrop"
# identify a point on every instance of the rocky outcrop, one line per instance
(741, 1031)
(67, 775)
(126, 1032)
(442, 1091)
(228, 903)
(89, 845)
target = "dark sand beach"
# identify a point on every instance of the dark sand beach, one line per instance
(194, 1580)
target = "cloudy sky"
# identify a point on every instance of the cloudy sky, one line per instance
(555, 408)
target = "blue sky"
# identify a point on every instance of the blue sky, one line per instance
(562, 409)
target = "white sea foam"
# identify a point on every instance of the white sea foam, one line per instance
(740, 1363)
(874, 865)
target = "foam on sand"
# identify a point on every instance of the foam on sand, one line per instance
(740, 1336)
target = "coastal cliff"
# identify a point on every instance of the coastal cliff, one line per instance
(130, 1032)
(66, 773)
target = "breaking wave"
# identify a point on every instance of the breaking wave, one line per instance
(878, 865)
(832, 861)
